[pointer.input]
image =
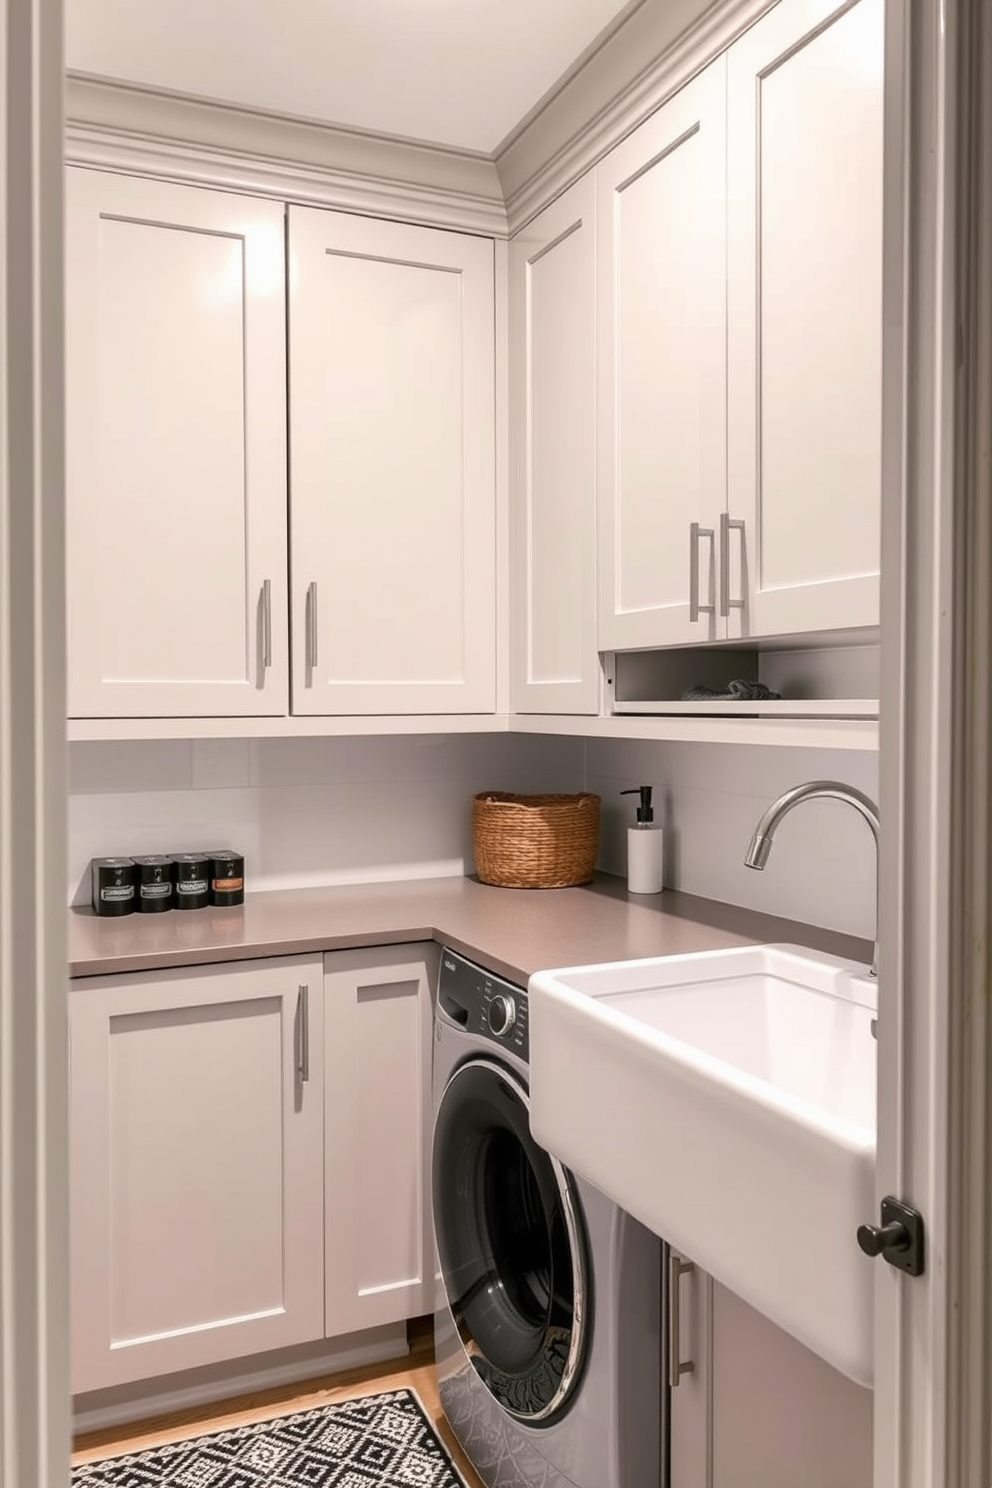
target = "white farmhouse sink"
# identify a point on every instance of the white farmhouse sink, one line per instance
(727, 1100)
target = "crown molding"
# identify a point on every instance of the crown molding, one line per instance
(139, 130)
(147, 131)
(612, 93)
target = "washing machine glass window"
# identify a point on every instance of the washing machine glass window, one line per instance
(510, 1243)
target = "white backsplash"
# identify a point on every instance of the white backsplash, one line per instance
(309, 812)
(708, 798)
(305, 812)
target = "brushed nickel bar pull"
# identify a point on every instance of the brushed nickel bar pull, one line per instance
(695, 608)
(677, 1367)
(267, 623)
(303, 1033)
(312, 625)
(726, 523)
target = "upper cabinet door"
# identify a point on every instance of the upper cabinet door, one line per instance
(553, 458)
(805, 316)
(661, 270)
(392, 459)
(176, 450)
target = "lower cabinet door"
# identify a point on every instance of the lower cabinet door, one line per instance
(750, 1406)
(196, 1167)
(781, 1415)
(379, 1242)
(687, 1368)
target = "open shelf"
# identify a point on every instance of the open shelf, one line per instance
(824, 678)
(789, 733)
(759, 708)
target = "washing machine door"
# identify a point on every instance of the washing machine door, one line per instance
(510, 1242)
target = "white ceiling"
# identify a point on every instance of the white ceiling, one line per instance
(455, 72)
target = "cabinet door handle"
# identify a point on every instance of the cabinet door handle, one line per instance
(726, 603)
(267, 623)
(677, 1366)
(303, 1034)
(695, 608)
(312, 626)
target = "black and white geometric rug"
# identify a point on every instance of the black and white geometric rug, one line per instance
(378, 1441)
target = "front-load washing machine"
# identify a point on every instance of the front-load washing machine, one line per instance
(548, 1323)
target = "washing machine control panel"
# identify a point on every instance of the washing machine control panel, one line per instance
(483, 1003)
(502, 1013)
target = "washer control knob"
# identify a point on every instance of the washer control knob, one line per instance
(502, 1014)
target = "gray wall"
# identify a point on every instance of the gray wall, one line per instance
(353, 810)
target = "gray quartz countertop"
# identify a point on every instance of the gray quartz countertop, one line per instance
(512, 931)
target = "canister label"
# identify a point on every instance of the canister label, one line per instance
(156, 891)
(117, 892)
(192, 886)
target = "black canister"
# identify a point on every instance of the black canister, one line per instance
(227, 877)
(112, 885)
(192, 882)
(155, 879)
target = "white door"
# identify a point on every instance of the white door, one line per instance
(391, 372)
(933, 1341)
(804, 318)
(176, 450)
(553, 458)
(379, 1244)
(196, 1170)
(34, 1334)
(661, 305)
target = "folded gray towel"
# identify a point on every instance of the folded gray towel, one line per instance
(737, 692)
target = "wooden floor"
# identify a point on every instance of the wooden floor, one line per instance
(415, 1372)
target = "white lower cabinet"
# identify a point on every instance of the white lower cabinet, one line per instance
(230, 1195)
(753, 1408)
(377, 1128)
(195, 1167)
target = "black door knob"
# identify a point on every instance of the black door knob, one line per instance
(876, 1240)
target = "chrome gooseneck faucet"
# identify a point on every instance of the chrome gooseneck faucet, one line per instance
(835, 790)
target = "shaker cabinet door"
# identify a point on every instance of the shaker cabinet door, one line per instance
(195, 1167)
(750, 1406)
(661, 304)
(380, 1248)
(554, 665)
(805, 317)
(176, 450)
(392, 460)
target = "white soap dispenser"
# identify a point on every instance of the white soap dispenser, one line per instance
(645, 848)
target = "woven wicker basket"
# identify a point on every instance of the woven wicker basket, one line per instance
(535, 842)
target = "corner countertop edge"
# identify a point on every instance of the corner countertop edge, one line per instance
(513, 932)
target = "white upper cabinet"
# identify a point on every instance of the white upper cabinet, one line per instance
(805, 316)
(740, 319)
(392, 457)
(553, 458)
(661, 274)
(176, 450)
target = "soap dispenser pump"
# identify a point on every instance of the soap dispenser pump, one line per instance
(645, 847)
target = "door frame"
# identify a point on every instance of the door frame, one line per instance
(932, 1334)
(934, 1053)
(34, 1290)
